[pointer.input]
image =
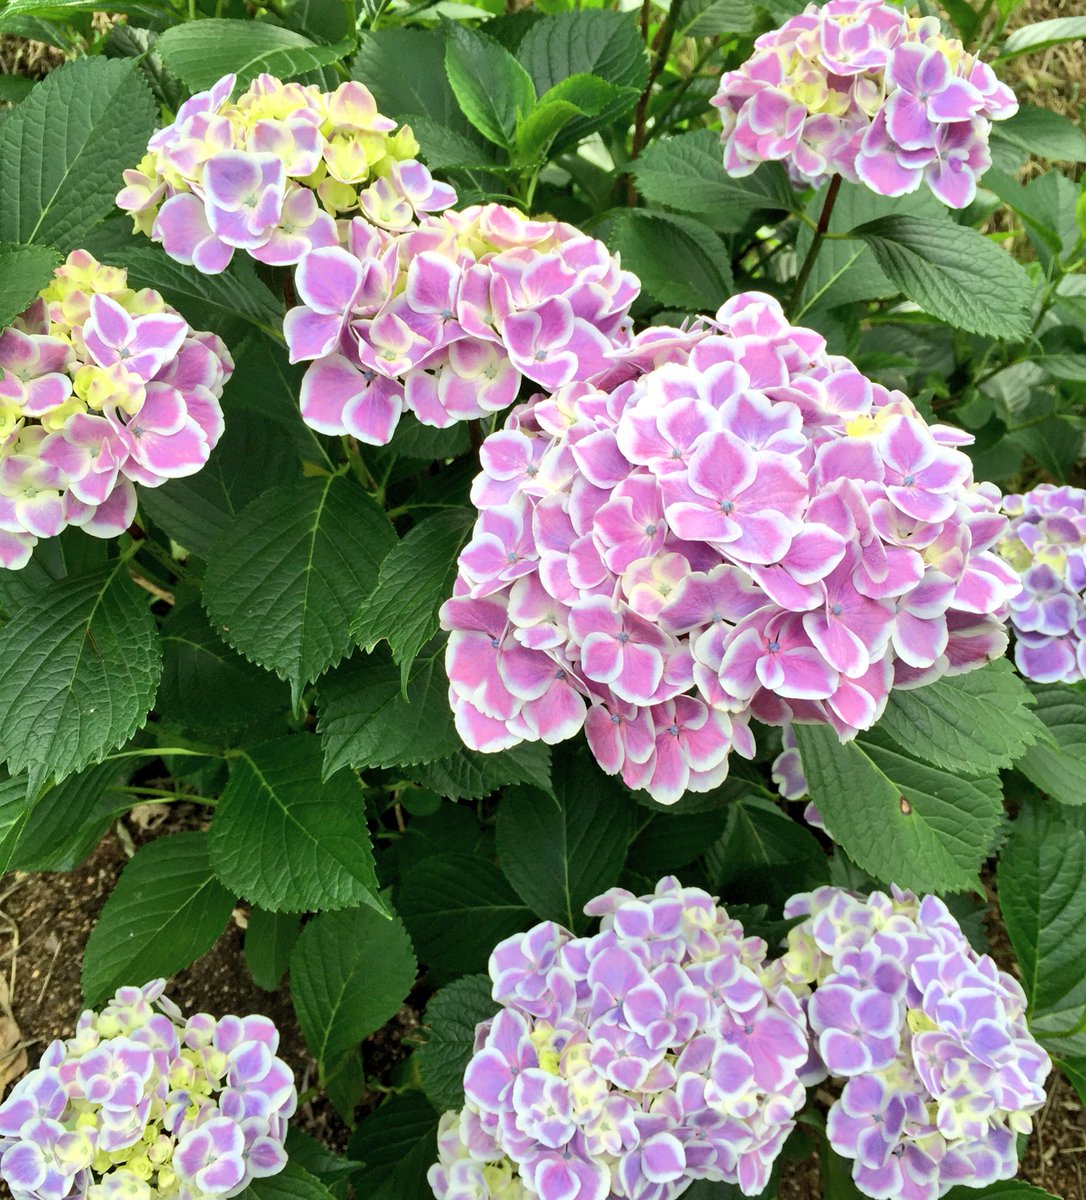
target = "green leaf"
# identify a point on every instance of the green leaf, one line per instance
(469, 775)
(202, 52)
(349, 973)
(711, 18)
(1060, 772)
(15, 88)
(63, 149)
(269, 940)
(398, 1143)
(1040, 131)
(681, 262)
(1042, 895)
(15, 809)
(451, 1017)
(764, 855)
(235, 292)
(687, 172)
(902, 821)
(67, 821)
(422, 91)
(415, 579)
(368, 720)
(1075, 1070)
(952, 273)
(442, 147)
(293, 1182)
(208, 687)
(285, 840)
(576, 96)
(330, 1168)
(458, 908)
(166, 910)
(1042, 34)
(24, 271)
(15, 11)
(971, 724)
(284, 580)
(560, 851)
(493, 89)
(1007, 1189)
(79, 667)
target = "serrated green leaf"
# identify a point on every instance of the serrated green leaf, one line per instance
(284, 580)
(202, 52)
(63, 149)
(397, 1142)
(1059, 771)
(1075, 1070)
(559, 851)
(67, 821)
(422, 91)
(952, 273)
(79, 668)
(588, 96)
(1042, 896)
(269, 939)
(235, 292)
(711, 18)
(165, 911)
(971, 724)
(441, 147)
(1042, 34)
(293, 1182)
(206, 686)
(24, 271)
(680, 262)
(367, 720)
(15, 809)
(469, 775)
(285, 840)
(451, 1017)
(416, 577)
(349, 972)
(493, 90)
(1040, 131)
(901, 820)
(764, 855)
(15, 11)
(458, 907)
(686, 172)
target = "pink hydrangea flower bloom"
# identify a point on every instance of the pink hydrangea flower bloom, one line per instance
(925, 1040)
(727, 522)
(1046, 547)
(270, 172)
(627, 1063)
(859, 88)
(103, 387)
(142, 1101)
(447, 318)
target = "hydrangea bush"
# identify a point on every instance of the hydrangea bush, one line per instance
(529, 455)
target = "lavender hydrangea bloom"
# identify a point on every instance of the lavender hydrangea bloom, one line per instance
(101, 387)
(270, 172)
(629, 1063)
(859, 88)
(928, 1039)
(1046, 545)
(142, 1103)
(446, 319)
(726, 522)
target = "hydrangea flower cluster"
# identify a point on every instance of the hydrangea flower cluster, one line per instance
(144, 1103)
(628, 1063)
(101, 387)
(729, 522)
(268, 173)
(1046, 545)
(940, 1071)
(860, 89)
(446, 319)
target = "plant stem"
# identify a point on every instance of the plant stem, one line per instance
(816, 243)
(661, 47)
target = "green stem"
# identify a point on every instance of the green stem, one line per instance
(162, 794)
(163, 752)
(816, 243)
